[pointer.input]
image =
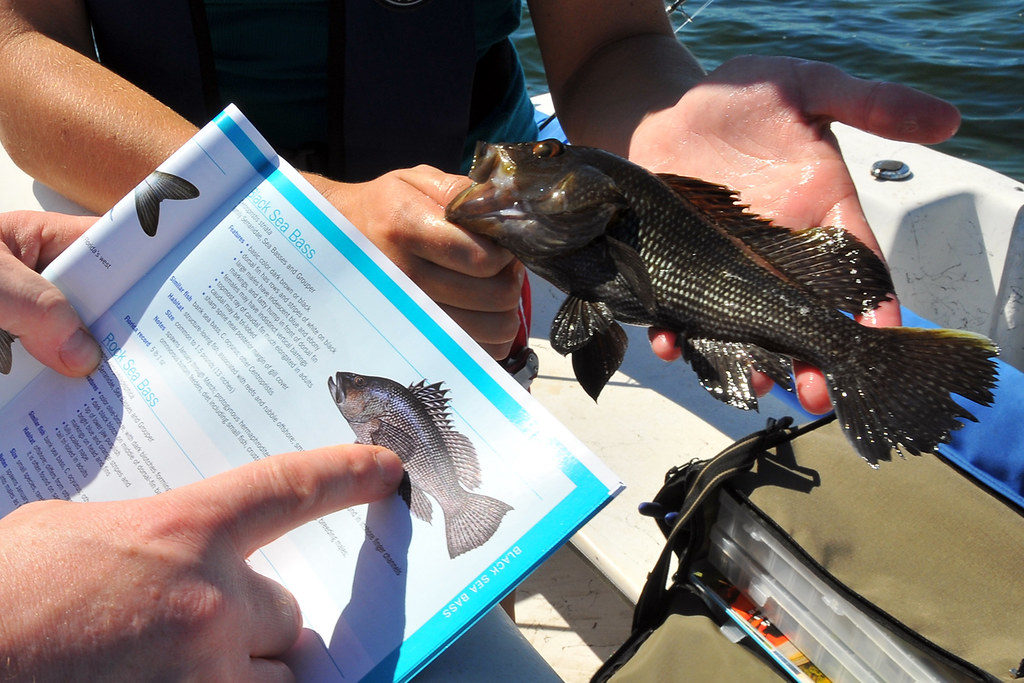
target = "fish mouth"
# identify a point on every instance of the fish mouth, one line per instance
(492, 196)
(336, 385)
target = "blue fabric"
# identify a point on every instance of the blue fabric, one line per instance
(991, 449)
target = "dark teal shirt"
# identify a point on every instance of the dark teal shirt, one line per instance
(271, 60)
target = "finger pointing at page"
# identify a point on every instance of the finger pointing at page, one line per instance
(256, 503)
(160, 585)
(32, 309)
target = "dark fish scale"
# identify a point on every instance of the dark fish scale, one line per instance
(681, 254)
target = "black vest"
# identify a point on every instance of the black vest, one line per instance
(401, 80)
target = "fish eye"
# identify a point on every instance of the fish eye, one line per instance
(545, 149)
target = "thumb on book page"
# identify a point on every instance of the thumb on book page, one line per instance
(258, 502)
(32, 309)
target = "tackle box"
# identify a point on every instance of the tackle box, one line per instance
(846, 643)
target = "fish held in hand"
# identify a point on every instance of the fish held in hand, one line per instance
(440, 462)
(741, 294)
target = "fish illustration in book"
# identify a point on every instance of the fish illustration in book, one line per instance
(740, 293)
(157, 187)
(441, 463)
(6, 352)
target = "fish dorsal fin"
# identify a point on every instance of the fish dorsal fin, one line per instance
(460, 449)
(717, 201)
(829, 261)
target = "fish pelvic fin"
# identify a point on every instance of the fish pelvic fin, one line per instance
(157, 187)
(6, 351)
(597, 343)
(724, 368)
(895, 392)
(472, 522)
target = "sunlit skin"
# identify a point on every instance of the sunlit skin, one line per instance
(748, 126)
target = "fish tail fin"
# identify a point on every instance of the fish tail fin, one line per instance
(895, 393)
(6, 352)
(157, 187)
(473, 521)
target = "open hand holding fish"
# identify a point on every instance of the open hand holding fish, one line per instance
(681, 254)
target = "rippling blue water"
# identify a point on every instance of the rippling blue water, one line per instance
(970, 53)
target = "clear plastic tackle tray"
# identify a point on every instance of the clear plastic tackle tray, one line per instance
(843, 641)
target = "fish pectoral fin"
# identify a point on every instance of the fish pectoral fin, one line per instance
(724, 368)
(576, 323)
(634, 271)
(383, 433)
(6, 352)
(595, 362)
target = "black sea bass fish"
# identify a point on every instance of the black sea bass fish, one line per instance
(441, 463)
(741, 294)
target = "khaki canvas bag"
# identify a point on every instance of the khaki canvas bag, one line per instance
(915, 550)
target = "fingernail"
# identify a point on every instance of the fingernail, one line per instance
(520, 271)
(80, 352)
(389, 467)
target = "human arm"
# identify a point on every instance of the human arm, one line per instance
(759, 125)
(159, 587)
(92, 136)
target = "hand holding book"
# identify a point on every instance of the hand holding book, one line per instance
(31, 308)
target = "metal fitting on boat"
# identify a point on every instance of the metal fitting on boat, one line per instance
(890, 169)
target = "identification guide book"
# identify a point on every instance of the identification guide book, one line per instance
(241, 316)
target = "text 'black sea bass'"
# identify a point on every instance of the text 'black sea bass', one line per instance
(680, 254)
(440, 462)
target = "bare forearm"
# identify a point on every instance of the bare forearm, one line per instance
(76, 126)
(610, 95)
(619, 63)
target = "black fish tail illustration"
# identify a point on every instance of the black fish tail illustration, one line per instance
(6, 340)
(157, 187)
(895, 392)
(472, 523)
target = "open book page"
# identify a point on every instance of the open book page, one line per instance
(124, 244)
(280, 327)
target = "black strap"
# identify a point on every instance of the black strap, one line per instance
(407, 76)
(684, 537)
